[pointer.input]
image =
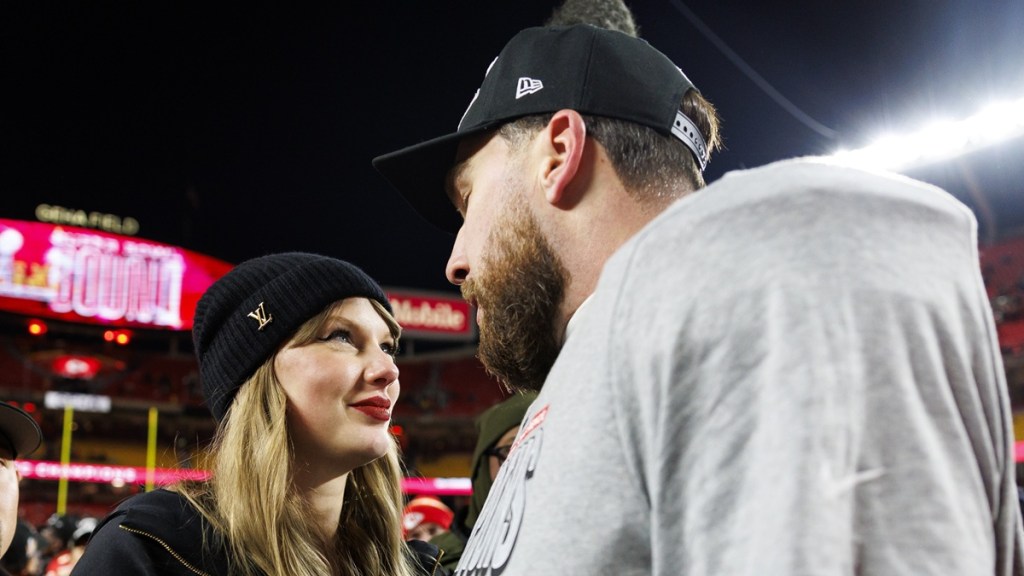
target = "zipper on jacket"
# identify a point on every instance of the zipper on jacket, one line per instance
(166, 547)
(437, 562)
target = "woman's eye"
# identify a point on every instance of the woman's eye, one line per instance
(390, 348)
(339, 335)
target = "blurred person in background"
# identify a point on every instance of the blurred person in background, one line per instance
(297, 359)
(425, 517)
(19, 437)
(496, 429)
(56, 534)
(22, 557)
(65, 561)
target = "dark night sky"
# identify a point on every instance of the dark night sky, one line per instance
(236, 133)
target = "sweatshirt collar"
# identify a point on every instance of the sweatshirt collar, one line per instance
(574, 319)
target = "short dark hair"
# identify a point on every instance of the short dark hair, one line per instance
(608, 14)
(650, 164)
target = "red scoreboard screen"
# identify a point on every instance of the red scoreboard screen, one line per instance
(82, 275)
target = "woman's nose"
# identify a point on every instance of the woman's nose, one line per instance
(382, 370)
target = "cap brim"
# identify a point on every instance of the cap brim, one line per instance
(21, 429)
(419, 173)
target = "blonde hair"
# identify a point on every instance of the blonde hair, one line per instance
(251, 502)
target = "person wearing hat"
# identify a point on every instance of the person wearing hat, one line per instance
(793, 371)
(296, 355)
(19, 437)
(22, 557)
(496, 430)
(425, 517)
(64, 562)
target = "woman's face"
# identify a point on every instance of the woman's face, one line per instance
(341, 389)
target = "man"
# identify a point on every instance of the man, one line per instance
(496, 430)
(425, 517)
(794, 371)
(19, 436)
(64, 562)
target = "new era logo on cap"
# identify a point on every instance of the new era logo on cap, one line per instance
(528, 86)
(591, 70)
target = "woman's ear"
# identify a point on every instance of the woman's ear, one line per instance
(564, 138)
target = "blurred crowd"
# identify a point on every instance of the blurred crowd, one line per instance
(48, 550)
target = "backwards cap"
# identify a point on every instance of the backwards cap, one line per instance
(542, 70)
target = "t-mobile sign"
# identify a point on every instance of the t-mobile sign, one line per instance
(431, 315)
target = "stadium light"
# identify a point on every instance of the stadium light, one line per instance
(122, 337)
(940, 140)
(37, 327)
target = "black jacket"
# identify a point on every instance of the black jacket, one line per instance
(159, 533)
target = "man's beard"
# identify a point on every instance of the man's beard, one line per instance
(519, 294)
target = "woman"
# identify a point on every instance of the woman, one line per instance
(296, 356)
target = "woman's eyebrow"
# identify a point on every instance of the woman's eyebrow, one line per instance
(335, 321)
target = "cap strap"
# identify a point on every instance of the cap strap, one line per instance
(684, 129)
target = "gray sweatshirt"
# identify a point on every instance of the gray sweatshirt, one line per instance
(792, 372)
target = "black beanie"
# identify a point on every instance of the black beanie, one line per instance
(247, 314)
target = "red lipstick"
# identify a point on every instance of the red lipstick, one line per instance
(376, 407)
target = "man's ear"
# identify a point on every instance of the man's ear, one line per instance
(563, 141)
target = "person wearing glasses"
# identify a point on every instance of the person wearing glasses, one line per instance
(496, 429)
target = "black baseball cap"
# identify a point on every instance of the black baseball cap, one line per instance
(19, 430)
(591, 70)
